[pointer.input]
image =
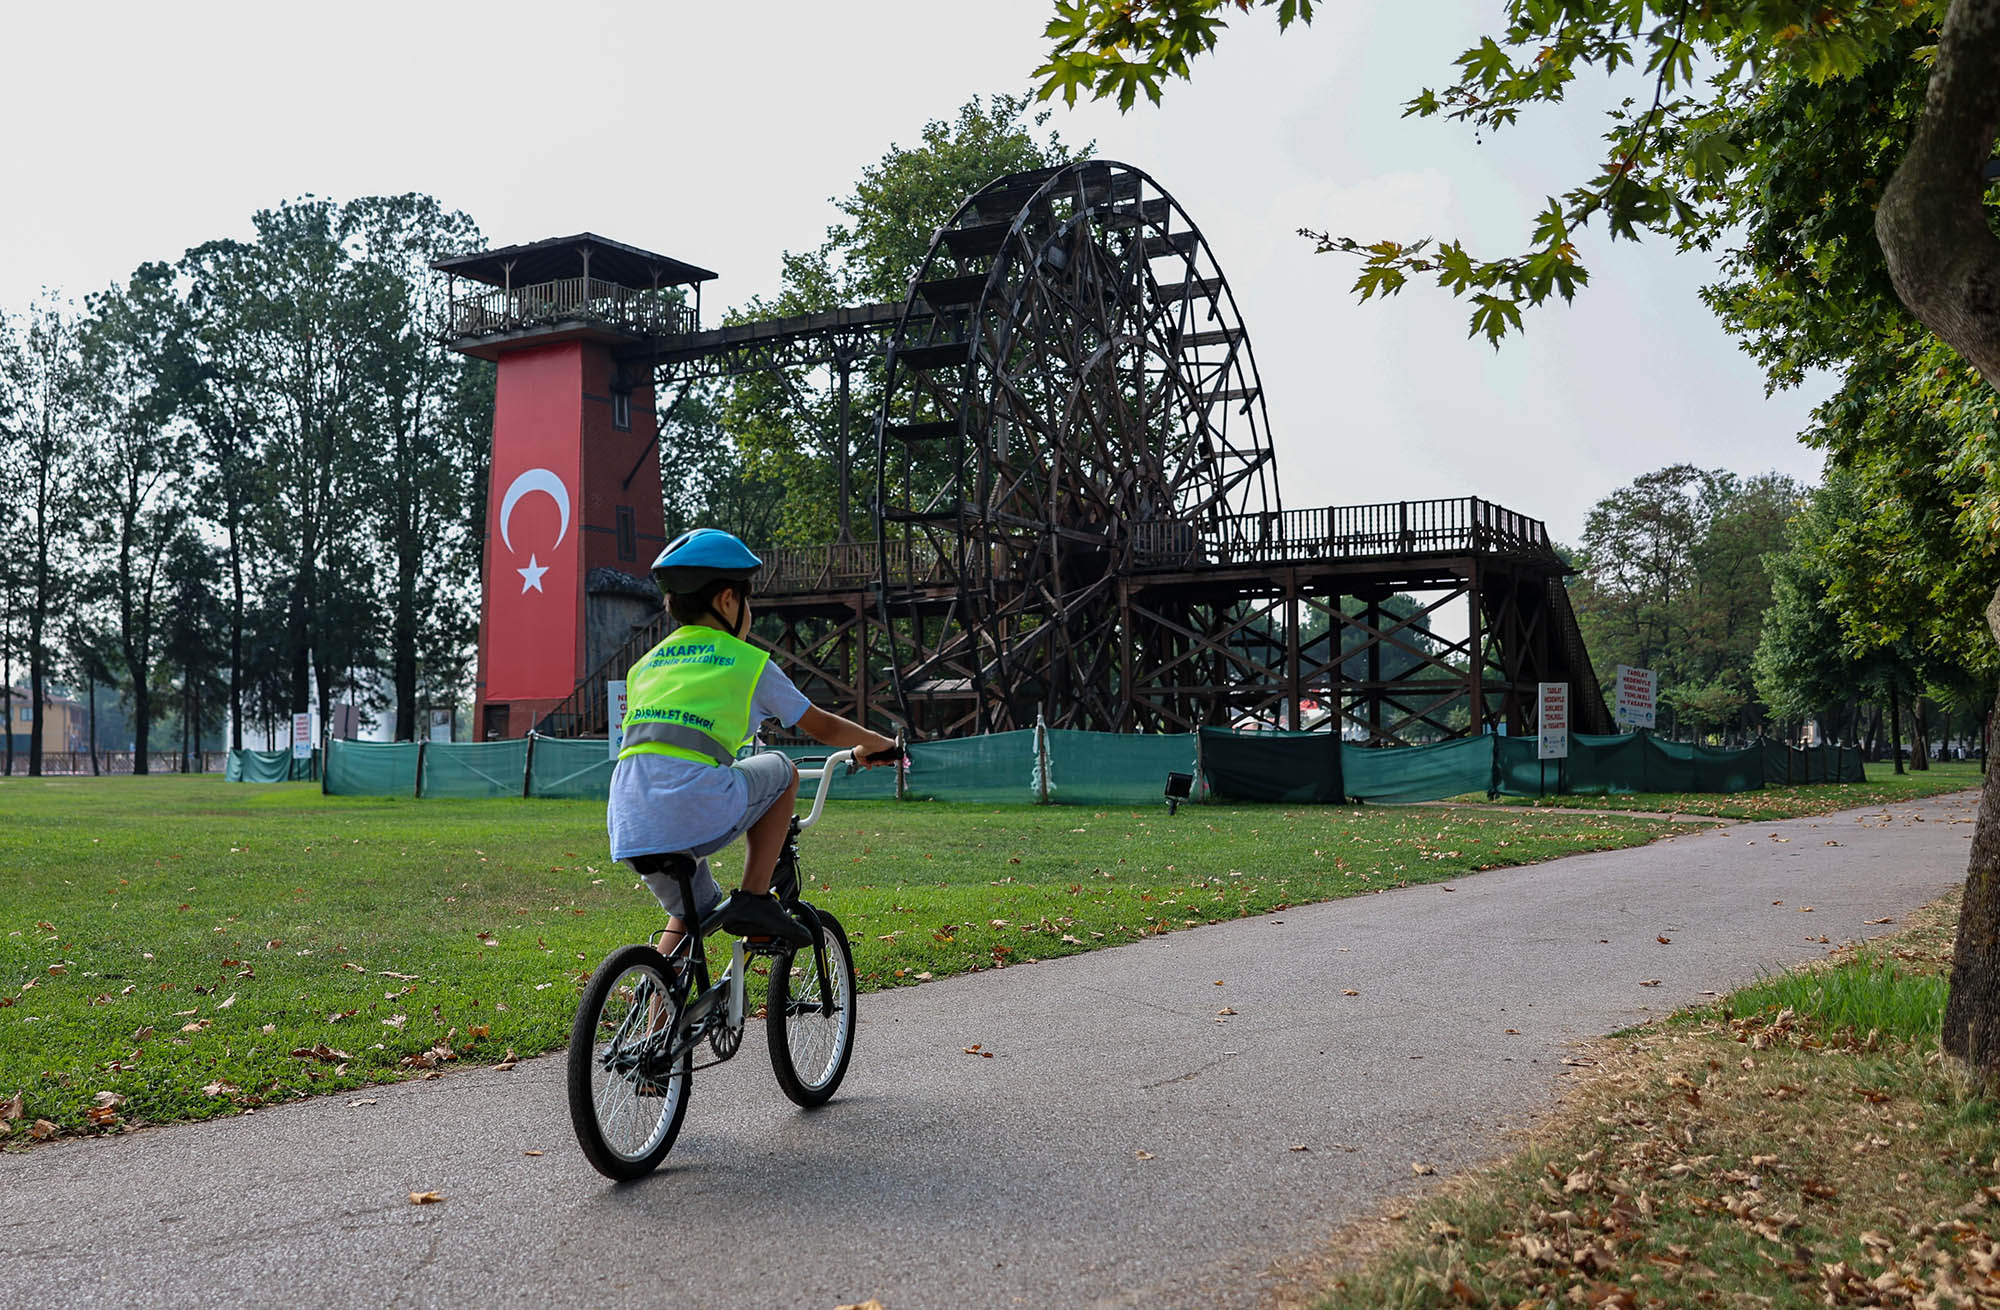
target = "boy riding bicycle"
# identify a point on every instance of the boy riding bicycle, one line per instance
(691, 704)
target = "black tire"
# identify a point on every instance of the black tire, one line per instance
(812, 1042)
(625, 1134)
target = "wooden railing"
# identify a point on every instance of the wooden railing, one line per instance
(475, 309)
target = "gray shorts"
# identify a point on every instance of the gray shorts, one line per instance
(765, 779)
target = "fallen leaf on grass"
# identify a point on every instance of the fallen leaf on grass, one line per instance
(390, 973)
(10, 1109)
(398, 1020)
(43, 1130)
(101, 1116)
(110, 1100)
(220, 1088)
(508, 1061)
(425, 1198)
(196, 1025)
(226, 1004)
(58, 968)
(322, 1052)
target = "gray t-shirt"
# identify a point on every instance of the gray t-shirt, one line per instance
(661, 803)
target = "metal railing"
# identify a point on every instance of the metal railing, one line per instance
(475, 309)
(1404, 527)
(847, 565)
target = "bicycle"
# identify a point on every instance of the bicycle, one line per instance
(644, 1014)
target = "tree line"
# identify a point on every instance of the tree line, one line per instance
(1726, 586)
(247, 483)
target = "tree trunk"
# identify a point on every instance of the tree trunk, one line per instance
(93, 725)
(235, 634)
(1944, 258)
(1896, 727)
(142, 724)
(1920, 736)
(1972, 1010)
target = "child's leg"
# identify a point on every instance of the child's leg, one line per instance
(764, 840)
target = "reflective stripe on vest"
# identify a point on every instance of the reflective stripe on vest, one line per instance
(689, 697)
(677, 734)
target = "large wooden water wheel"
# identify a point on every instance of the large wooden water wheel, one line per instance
(1070, 390)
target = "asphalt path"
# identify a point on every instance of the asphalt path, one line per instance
(1125, 1144)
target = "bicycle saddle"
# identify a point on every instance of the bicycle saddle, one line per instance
(671, 863)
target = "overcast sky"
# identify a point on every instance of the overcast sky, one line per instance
(717, 133)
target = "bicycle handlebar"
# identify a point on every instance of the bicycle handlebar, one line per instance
(825, 775)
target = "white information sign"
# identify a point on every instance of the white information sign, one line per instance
(302, 736)
(614, 704)
(1553, 698)
(1638, 689)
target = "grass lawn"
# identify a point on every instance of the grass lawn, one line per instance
(1882, 788)
(1799, 1143)
(181, 947)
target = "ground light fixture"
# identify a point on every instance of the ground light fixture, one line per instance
(1179, 787)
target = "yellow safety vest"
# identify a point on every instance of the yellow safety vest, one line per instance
(689, 697)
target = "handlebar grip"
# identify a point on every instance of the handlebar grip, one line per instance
(898, 755)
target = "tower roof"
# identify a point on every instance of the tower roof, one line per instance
(563, 257)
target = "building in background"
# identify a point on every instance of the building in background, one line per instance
(66, 724)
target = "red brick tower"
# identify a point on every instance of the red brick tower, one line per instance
(573, 515)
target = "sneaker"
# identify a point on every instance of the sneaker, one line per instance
(763, 916)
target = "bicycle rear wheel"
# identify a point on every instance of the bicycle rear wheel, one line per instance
(809, 1015)
(625, 1105)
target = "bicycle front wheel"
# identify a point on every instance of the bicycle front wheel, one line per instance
(809, 1015)
(625, 1103)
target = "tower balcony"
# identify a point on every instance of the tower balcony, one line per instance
(473, 309)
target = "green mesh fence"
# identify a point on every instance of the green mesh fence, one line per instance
(1419, 773)
(270, 766)
(473, 768)
(1792, 766)
(1102, 768)
(577, 769)
(1088, 768)
(371, 768)
(1631, 762)
(1518, 772)
(998, 768)
(1295, 767)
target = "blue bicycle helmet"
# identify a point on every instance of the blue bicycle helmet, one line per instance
(694, 559)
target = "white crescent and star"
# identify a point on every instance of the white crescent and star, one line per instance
(546, 482)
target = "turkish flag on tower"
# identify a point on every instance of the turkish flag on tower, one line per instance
(532, 526)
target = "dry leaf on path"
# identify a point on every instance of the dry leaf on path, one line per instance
(872, 1303)
(1422, 1169)
(1349, 991)
(425, 1198)
(1142, 1155)
(1664, 940)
